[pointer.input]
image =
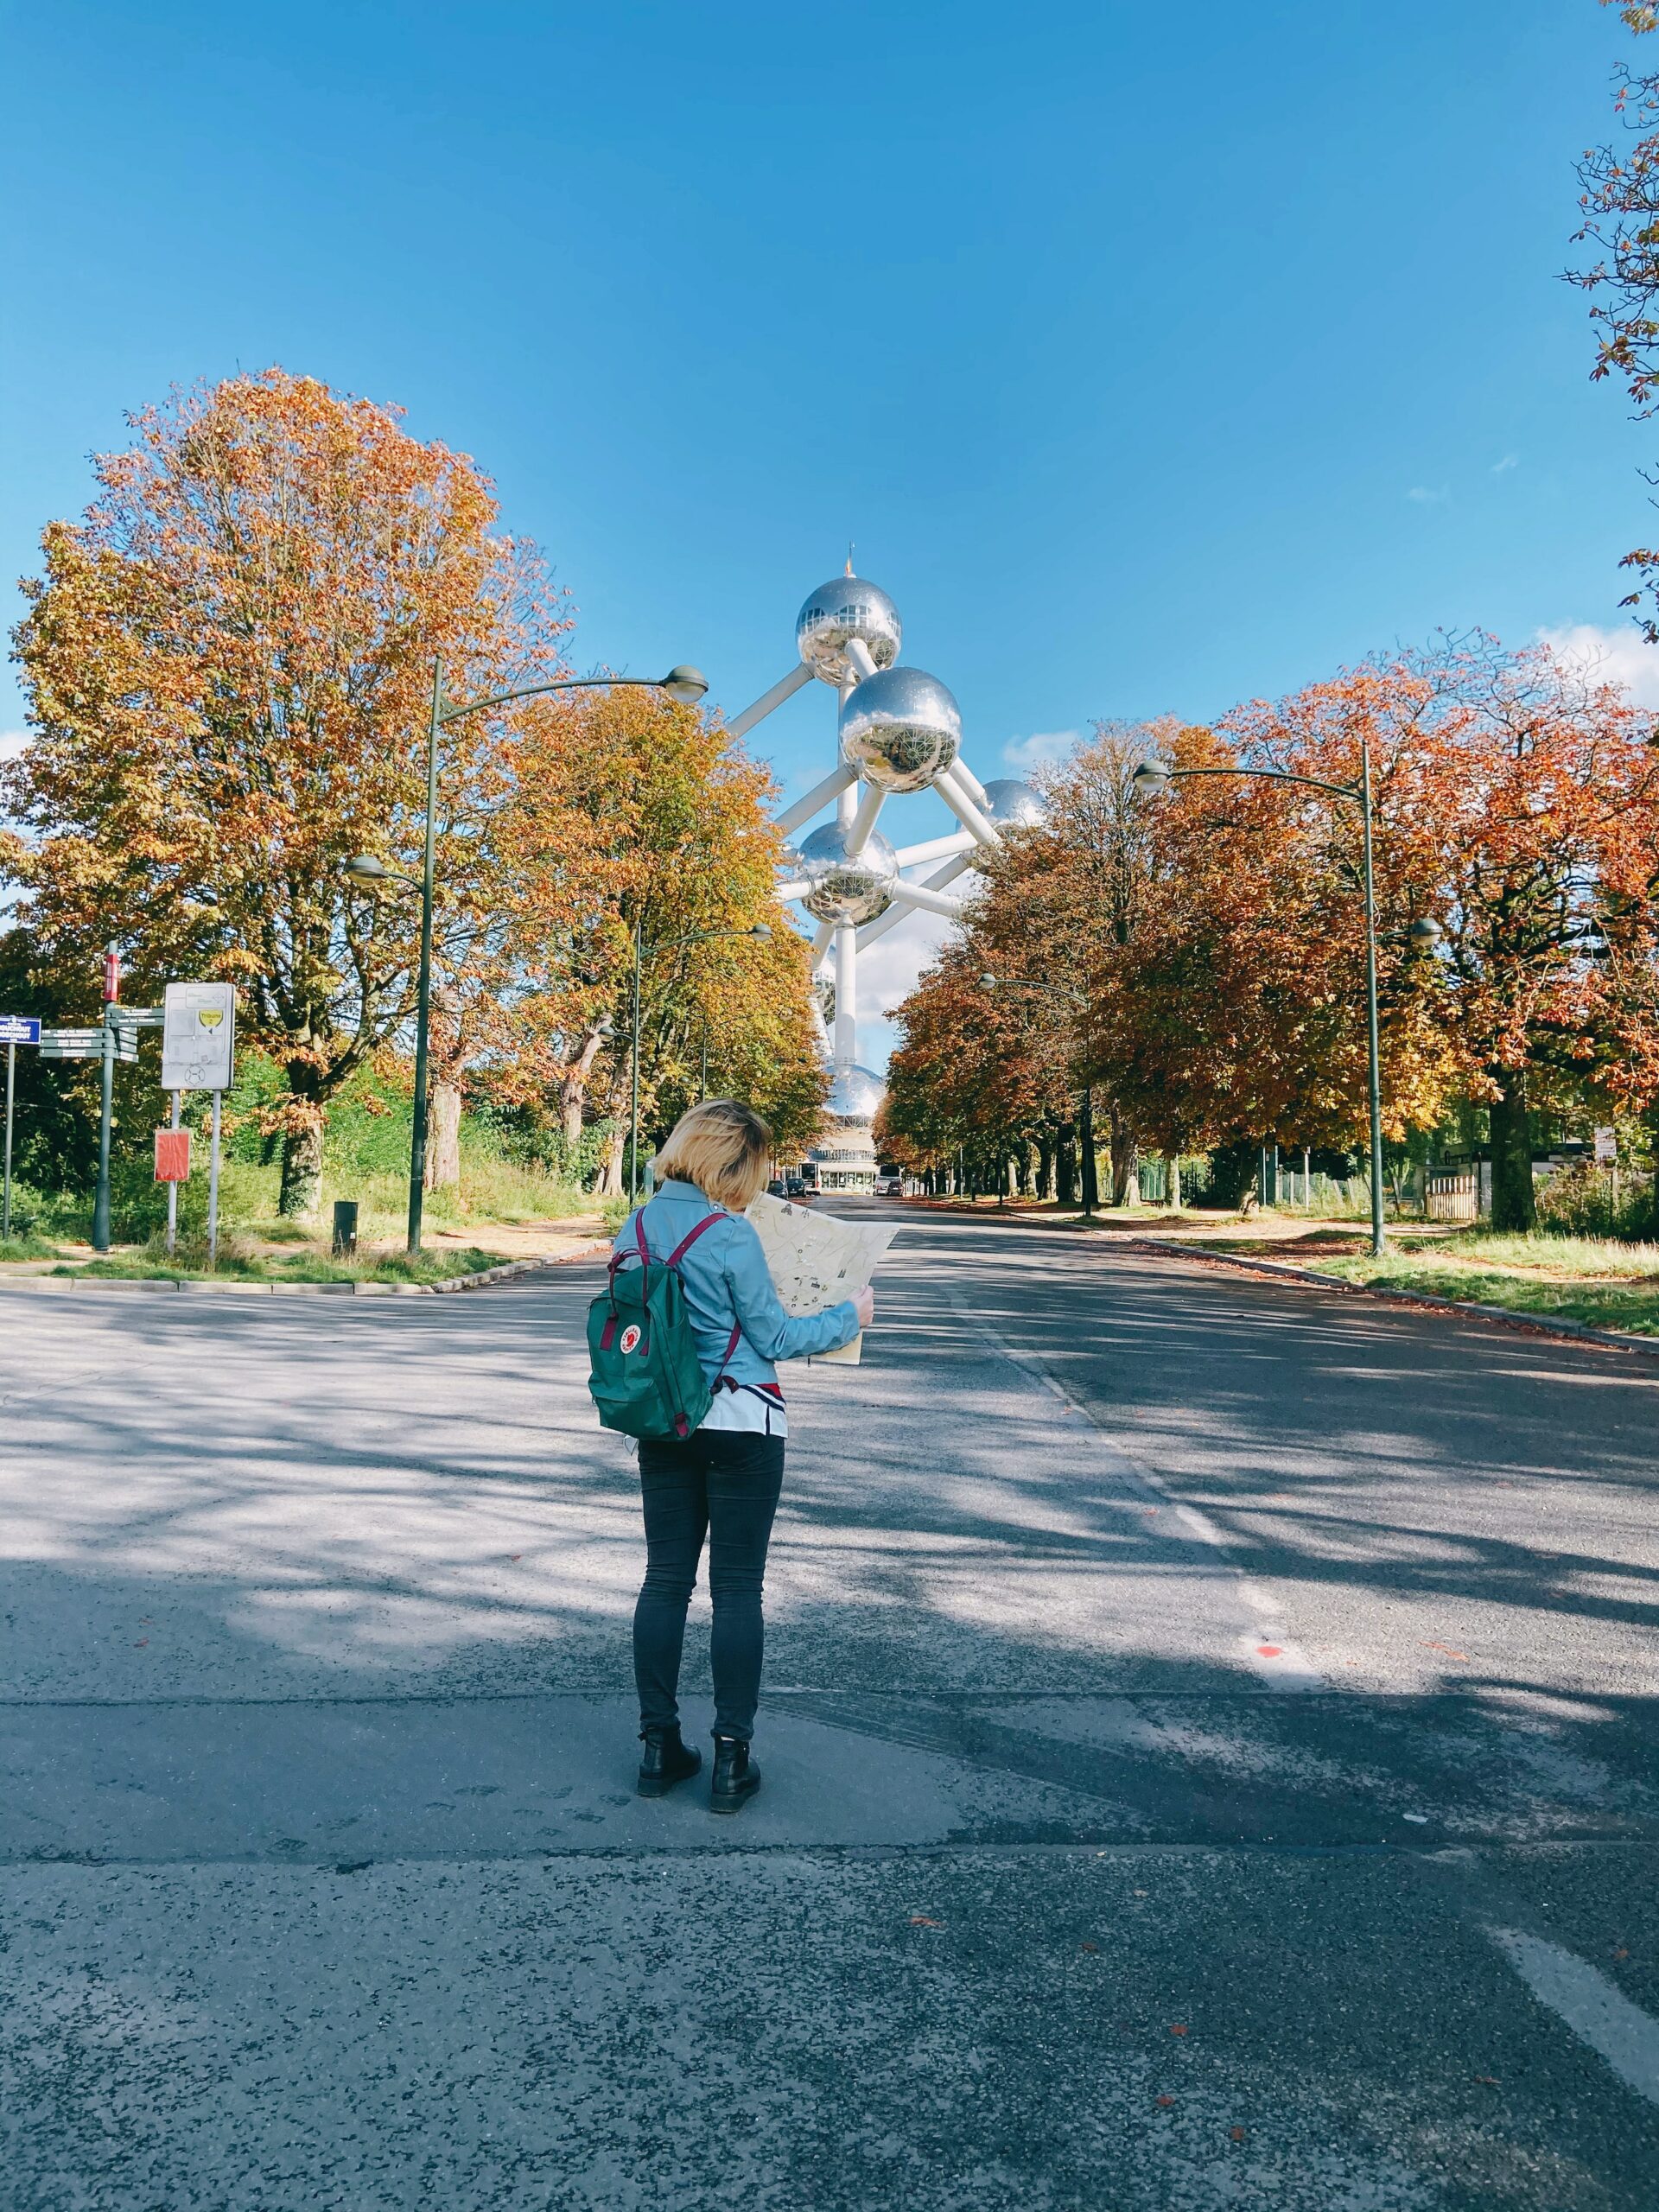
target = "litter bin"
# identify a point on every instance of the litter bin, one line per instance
(344, 1228)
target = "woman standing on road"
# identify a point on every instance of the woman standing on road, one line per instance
(723, 1480)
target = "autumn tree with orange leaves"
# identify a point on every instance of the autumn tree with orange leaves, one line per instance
(630, 810)
(229, 661)
(1219, 926)
(978, 1075)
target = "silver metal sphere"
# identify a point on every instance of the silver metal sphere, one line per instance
(855, 1094)
(1014, 805)
(900, 728)
(844, 608)
(843, 889)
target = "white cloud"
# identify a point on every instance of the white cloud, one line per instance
(1621, 657)
(888, 970)
(12, 742)
(888, 973)
(1425, 497)
(1042, 745)
(1509, 461)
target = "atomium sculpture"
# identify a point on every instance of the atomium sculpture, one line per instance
(900, 731)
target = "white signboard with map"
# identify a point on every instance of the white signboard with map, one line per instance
(817, 1261)
(198, 1036)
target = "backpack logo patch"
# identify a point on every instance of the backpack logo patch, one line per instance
(630, 1339)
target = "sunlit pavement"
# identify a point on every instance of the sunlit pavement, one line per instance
(1210, 1763)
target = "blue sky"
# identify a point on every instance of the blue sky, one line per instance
(1154, 357)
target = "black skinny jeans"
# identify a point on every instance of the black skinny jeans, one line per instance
(723, 1484)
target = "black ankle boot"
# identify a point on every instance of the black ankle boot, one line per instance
(666, 1760)
(736, 1775)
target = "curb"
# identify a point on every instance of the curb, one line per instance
(504, 1273)
(1506, 1317)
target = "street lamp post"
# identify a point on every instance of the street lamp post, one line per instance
(667, 945)
(1086, 1123)
(684, 684)
(1150, 776)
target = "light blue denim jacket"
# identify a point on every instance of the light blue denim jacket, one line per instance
(727, 1284)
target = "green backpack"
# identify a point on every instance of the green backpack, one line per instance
(646, 1379)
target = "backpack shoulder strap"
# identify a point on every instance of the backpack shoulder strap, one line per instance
(691, 1238)
(673, 1260)
(620, 1259)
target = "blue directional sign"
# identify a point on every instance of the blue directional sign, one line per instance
(19, 1029)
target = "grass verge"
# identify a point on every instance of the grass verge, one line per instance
(306, 1267)
(28, 1246)
(1606, 1285)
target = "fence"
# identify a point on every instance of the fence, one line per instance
(1452, 1197)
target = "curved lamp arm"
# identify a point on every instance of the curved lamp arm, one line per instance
(702, 936)
(1148, 776)
(684, 682)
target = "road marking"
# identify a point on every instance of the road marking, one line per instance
(1596, 2009)
(1263, 1647)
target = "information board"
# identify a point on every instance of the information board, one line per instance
(198, 1036)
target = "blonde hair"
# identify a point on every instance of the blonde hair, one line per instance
(722, 1147)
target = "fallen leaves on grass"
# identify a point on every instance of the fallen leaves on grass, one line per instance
(921, 1920)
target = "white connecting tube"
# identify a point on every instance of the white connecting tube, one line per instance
(769, 700)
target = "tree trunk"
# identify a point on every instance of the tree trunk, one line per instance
(1173, 1181)
(443, 1136)
(1066, 1166)
(300, 1194)
(1044, 1166)
(609, 1184)
(573, 1089)
(442, 1170)
(572, 1096)
(302, 1185)
(1513, 1209)
(1126, 1164)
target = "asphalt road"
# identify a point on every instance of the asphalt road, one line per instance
(1210, 1749)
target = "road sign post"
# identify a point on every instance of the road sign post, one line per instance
(15, 1029)
(106, 1101)
(173, 1167)
(198, 1053)
(212, 1188)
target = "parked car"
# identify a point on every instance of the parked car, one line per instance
(794, 1186)
(777, 1188)
(889, 1186)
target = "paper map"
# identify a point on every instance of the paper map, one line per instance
(817, 1261)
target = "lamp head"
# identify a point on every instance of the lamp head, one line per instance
(1149, 777)
(1424, 935)
(988, 982)
(364, 868)
(762, 930)
(685, 683)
